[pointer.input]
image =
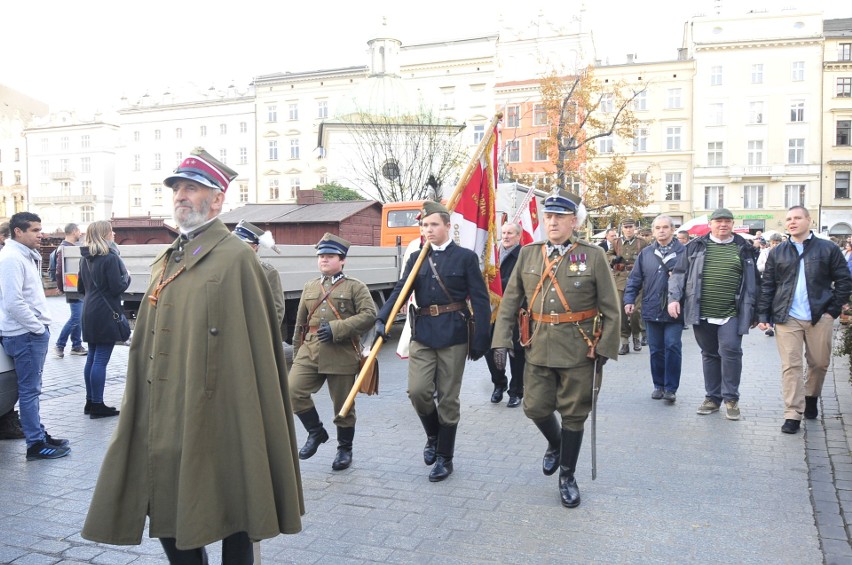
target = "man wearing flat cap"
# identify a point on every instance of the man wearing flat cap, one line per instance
(334, 311)
(205, 447)
(622, 256)
(715, 286)
(570, 329)
(448, 278)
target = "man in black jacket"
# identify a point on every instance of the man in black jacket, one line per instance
(805, 284)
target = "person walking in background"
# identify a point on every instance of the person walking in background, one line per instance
(715, 286)
(805, 285)
(650, 279)
(72, 326)
(24, 321)
(103, 278)
(622, 257)
(683, 237)
(774, 240)
(609, 239)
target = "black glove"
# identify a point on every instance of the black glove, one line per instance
(476, 353)
(618, 259)
(324, 333)
(380, 330)
(602, 361)
(498, 355)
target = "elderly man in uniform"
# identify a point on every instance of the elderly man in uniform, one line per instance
(205, 445)
(333, 312)
(572, 329)
(622, 257)
(448, 277)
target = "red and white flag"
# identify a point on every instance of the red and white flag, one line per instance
(528, 218)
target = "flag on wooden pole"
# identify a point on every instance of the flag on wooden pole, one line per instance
(528, 218)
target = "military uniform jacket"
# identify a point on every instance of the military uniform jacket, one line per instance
(277, 292)
(630, 251)
(561, 345)
(354, 304)
(459, 269)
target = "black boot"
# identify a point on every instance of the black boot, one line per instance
(101, 410)
(431, 425)
(552, 432)
(316, 433)
(88, 407)
(568, 489)
(811, 407)
(344, 448)
(444, 454)
(10, 426)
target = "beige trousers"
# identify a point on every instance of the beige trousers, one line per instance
(791, 337)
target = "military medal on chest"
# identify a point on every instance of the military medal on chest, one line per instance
(573, 268)
(582, 267)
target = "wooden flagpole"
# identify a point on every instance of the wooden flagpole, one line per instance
(406, 289)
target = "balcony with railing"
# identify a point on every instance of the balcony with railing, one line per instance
(63, 175)
(63, 199)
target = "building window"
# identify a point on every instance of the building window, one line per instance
(137, 136)
(323, 179)
(243, 127)
(223, 129)
(223, 156)
(272, 113)
(757, 74)
(794, 195)
(673, 186)
(539, 115)
(755, 152)
(178, 133)
(673, 98)
(293, 111)
(63, 142)
(795, 152)
(714, 154)
(539, 150)
(87, 214)
(136, 195)
(157, 192)
(322, 109)
(137, 162)
(294, 148)
(605, 144)
(478, 133)
(63, 165)
(640, 140)
(607, 103)
(714, 197)
(203, 131)
(45, 144)
(178, 158)
(841, 184)
(448, 98)
(513, 116)
(157, 164)
(716, 75)
(45, 168)
(17, 154)
(243, 193)
(295, 186)
(156, 134)
(86, 187)
(843, 131)
(86, 165)
(273, 150)
(17, 177)
(640, 101)
(755, 112)
(85, 141)
(273, 189)
(673, 138)
(716, 115)
(844, 52)
(65, 188)
(844, 87)
(243, 155)
(753, 196)
(798, 71)
(797, 111)
(513, 151)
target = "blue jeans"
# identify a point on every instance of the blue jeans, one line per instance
(94, 372)
(72, 327)
(664, 341)
(722, 357)
(28, 352)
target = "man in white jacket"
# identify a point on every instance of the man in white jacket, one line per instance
(24, 321)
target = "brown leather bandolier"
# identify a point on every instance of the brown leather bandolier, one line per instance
(306, 329)
(627, 265)
(370, 384)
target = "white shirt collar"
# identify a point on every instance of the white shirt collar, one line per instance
(442, 247)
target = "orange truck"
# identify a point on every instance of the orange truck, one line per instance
(399, 223)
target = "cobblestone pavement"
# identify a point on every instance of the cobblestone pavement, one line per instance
(672, 486)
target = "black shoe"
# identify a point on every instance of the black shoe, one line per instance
(100, 410)
(811, 407)
(316, 433)
(88, 407)
(769, 333)
(637, 345)
(432, 426)
(443, 468)
(790, 426)
(43, 450)
(624, 350)
(514, 402)
(657, 394)
(551, 429)
(343, 459)
(644, 339)
(569, 492)
(669, 396)
(55, 442)
(497, 395)
(444, 454)
(10, 426)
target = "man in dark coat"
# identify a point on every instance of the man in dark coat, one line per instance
(509, 249)
(205, 446)
(448, 277)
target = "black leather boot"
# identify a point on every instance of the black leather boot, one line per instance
(568, 489)
(316, 433)
(811, 407)
(344, 448)
(431, 425)
(101, 410)
(10, 426)
(552, 432)
(444, 454)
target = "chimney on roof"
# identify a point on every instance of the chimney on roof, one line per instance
(305, 197)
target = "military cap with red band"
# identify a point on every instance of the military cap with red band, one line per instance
(203, 168)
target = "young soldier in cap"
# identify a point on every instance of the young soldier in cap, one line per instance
(205, 444)
(622, 258)
(574, 316)
(448, 277)
(333, 313)
(256, 238)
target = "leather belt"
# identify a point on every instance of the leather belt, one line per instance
(565, 317)
(438, 309)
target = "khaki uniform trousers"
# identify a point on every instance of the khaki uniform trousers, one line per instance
(442, 369)
(791, 337)
(305, 380)
(567, 391)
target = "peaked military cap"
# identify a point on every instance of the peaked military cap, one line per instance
(561, 202)
(629, 222)
(203, 168)
(333, 245)
(248, 232)
(430, 207)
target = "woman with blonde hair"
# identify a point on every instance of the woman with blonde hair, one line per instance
(103, 278)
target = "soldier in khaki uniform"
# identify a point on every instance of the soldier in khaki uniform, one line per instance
(622, 257)
(257, 238)
(573, 306)
(333, 313)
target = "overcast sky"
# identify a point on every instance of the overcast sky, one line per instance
(89, 52)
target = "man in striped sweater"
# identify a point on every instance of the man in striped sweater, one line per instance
(715, 285)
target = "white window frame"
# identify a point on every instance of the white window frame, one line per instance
(794, 195)
(539, 154)
(753, 196)
(272, 113)
(640, 102)
(755, 152)
(715, 154)
(273, 150)
(293, 111)
(716, 114)
(539, 115)
(797, 110)
(606, 145)
(322, 109)
(640, 139)
(85, 164)
(716, 75)
(243, 155)
(607, 103)
(513, 116)
(714, 196)
(513, 151)
(757, 73)
(673, 186)
(797, 71)
(274, 189)
(795, 151)
(755, 112)
(294, 148)
(673, 138)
